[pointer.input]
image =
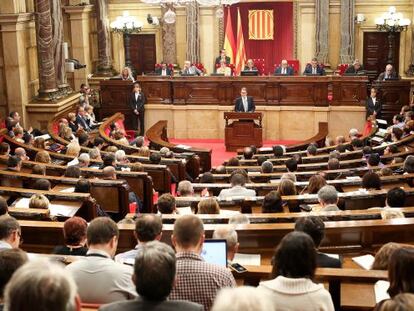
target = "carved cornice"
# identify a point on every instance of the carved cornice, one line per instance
(14, 22)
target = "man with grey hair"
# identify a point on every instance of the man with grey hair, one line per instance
(229, 234)
(328, 199)
(164, 150)
(284, 69)
(41, 285)
(388, 74)
(185, 189)
(267, 167)
(95, 154)
(10, 232)
(154, 276)
(353, 134)
(21, 153)
(84, 160)
(98, 277)
(121, 159)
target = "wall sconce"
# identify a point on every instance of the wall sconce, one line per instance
(359, 18)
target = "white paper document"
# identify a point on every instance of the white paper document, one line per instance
(247, 259)
(380, 289)
(365, 261)
(68, 190)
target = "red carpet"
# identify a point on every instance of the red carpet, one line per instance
(219, 153)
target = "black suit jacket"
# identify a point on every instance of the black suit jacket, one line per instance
(139, 103)
(381, 76)
(238, 107)
(158, 71)
(140, 304)
(351, 69)
(319, 70)
(248, 69)
(218, 59)
(371, 108)
(82, 122)
(289, 71)
(324, 261)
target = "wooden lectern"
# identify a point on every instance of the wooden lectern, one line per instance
(243, 131)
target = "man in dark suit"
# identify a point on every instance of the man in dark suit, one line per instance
(250, 66)
(223, 56)
(315, 228)
(154, 276)
(80, 119)
(314, 68)
(244, 103)
(137, 102)
(389, 73)
(284, 69)
(164, 70)
(355, 68)
(373, 105)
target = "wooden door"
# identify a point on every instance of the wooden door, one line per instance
(143, 52)
(376, 52)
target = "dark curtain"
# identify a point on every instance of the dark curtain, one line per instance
(272, 51)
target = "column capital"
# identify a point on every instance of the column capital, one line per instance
(78, 11)
(15, 22)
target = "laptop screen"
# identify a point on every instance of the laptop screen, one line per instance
(215, 252)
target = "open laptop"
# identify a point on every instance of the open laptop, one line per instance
(215, 252)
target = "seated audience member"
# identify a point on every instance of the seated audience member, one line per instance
(10, 261)
(10, 233)
(166, 204)
(39, 201)
(90, 117)
(286, 187)
(144, 151)
(400, 302)
(314, 68)
(242, 298)
(233, 162)
(21, 153)
(42, 184)
(41, 285)
(339, 140)
(248, 153)
(98, 277)
(72, 122)
(148, 228)
(18, 134)
(164, 70)
(74, 234)
(139, 142)
(155, 158)
(366, 151)
(121, 160)
(84, 186)
(328, 199)
(73, 148)
(341, 148)
(333, 164)
(391, 149)
(261, 159)
(316, 182)
(185, 189)
(267, 167)
(374, 160)
(224, 69)
(396, 134)
(229, 234)
(119, 137)
(315, 228)
(221, 169)
(189, 69)
(284, 69)
(136, 167)
(278, 151)
(4, 149)
(208, 206)
(98, 143)
(38, 169)
(83, 139)
(237, 188)
(409, 165)
(334, 155)
(355, 68)
(95, 155)
(272, 203)
(371, 181)
(80, 119)
(197, 280)
(291, 165)
(84, 160)
(126, 74)
(311, 150)
(357, 144)
(401, 271)
(72, 171)
(239, 219)
(294, 265)
(395, 199)
(108, 160)
(43, 156)
(4, 207)
(164, 151)
(206, 178)
(383, 255)
(250, 66)
(154, 277)
(14, 164)
(389, 73)
(385, 171)
(28, 139)
(353, 134)
(398, 121)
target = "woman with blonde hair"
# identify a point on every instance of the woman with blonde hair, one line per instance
(43, 156)
(39, 201)
(39, 143)
(126, 74)
(144, 151)
(73, 149)
(208, 206)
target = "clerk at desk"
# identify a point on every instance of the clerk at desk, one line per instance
(244, 103)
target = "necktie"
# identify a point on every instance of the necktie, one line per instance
(284, 71)
(245, 103)
(313, 70)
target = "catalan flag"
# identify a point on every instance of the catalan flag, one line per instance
(240, 49)
(229, 44)
(261, 24)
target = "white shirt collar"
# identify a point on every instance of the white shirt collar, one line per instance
(4, 244)
(98, 251)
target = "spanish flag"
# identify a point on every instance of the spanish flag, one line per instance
(229, 44)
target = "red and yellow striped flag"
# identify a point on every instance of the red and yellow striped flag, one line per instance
(260, 24)
(229, 44)
(240, 49)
